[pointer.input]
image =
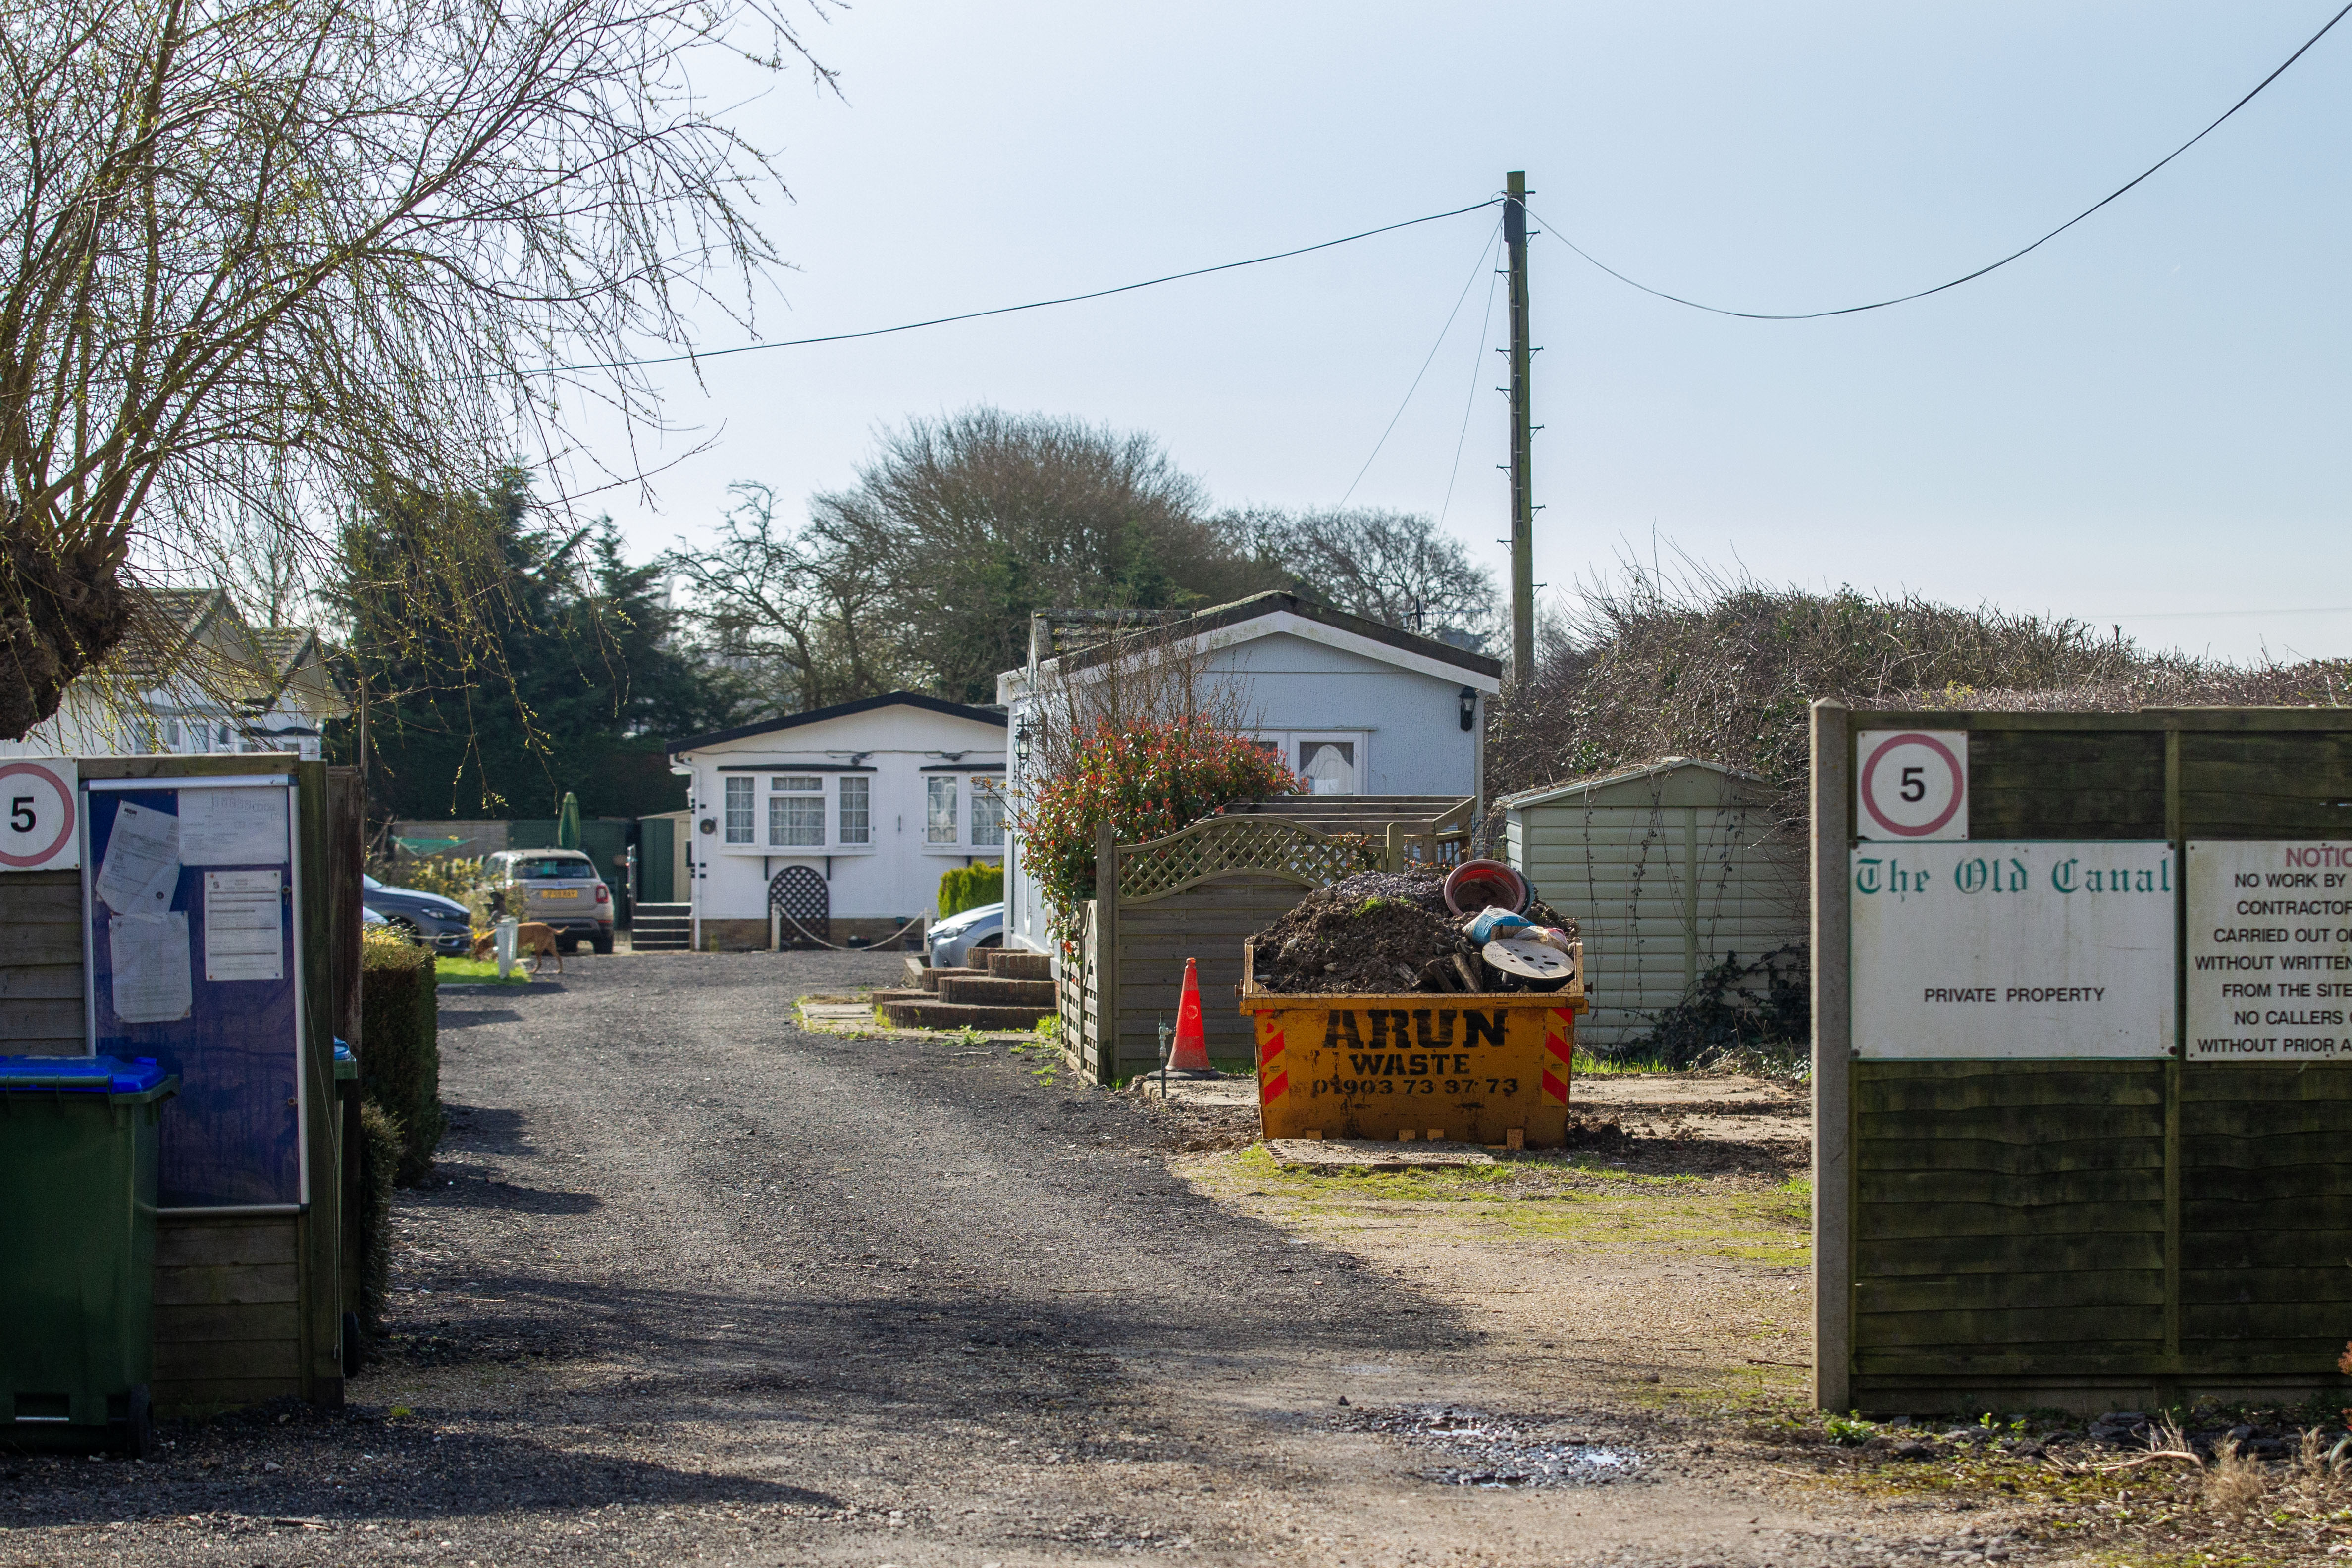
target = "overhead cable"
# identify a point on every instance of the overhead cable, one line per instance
(1989, 267)
(1010, 309)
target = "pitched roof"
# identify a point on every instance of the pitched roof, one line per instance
(840, 709)
(1277, 602)
(1626, 775)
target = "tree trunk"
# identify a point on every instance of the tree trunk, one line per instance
(63, 608)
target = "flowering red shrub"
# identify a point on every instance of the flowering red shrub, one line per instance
(1147, 782)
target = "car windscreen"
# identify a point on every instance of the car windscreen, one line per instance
(553, 868)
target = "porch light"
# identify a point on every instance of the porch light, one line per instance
(1469, 707)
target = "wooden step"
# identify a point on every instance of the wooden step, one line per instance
(992, 991)
(947, 1015)
(1016, 964)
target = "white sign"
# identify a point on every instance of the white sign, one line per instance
(233, 827)
(37, 819)
(2029, 950)
(1913, 784)
(2270, 951)
(245, 925)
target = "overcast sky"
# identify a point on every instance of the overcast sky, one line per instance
(2143, 423)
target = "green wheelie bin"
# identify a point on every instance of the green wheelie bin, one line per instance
(77, 1169)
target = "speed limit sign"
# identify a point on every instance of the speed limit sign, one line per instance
(1914, 784)
(37, 815)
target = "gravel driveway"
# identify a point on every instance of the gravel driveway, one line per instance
(694, 1285)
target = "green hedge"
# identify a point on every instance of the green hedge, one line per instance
(381, 1146)
(969, 886)
(400, 1047)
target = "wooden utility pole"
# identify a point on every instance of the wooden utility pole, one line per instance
(1523, 494)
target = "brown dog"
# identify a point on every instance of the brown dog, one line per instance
(533, 937)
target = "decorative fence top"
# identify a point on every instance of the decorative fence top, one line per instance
(1219, 846)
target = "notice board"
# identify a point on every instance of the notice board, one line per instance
(191, 903)
(2083, 1082)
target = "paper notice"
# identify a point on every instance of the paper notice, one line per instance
(142, 863)
(150, 953)
(245, 926)
(233, 827)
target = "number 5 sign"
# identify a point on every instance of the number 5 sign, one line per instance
(1914, 784)
(37, 815)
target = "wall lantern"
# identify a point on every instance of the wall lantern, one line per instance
(1469, 707)
(1021, 739)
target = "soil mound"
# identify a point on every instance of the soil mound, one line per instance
(1378, 932)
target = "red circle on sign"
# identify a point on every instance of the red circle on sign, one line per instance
(64, 794)
(1951, 762)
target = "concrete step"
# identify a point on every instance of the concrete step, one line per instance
(947, 1015)
(931, 977)
(993, 991)
(912, 970)
(1014, 963)
(668, 912)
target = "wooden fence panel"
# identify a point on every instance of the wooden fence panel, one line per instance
(2098, 1232)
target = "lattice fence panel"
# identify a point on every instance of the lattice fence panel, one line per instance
(801, 894)
(1225, 845)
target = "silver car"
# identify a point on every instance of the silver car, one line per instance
(954, 939)
(559, 888)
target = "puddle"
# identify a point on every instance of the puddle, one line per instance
(1473, 1448)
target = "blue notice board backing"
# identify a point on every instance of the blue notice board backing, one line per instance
(190, 907)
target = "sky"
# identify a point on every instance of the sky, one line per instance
(2143, 423)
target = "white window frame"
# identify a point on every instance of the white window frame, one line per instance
(749, 794)
(972, 815)
(1293, 745)
(780, 796)
(764, 844)
(840, 828)
(954, 842)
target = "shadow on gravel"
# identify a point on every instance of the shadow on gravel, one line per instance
(356, 1468)
(474, 1017)
(468, 1187)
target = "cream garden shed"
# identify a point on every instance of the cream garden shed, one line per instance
(1667, 868)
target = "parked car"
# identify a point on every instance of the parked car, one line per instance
(426, 918)
(954, 939)
(558, 886)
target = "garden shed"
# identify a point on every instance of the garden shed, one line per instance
(1669, 867)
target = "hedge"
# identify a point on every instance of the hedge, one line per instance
(400, 1049)
(382, 1144)
(969, 886)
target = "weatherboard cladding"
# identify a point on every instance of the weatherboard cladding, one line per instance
(2092, 1231)
(1668, 870)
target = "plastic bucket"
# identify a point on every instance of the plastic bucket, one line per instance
(1474, 885)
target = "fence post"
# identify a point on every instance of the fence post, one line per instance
(1832, 1061)
(1106, 953)
(1394, 860)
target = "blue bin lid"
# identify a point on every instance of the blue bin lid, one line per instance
(90, 1075)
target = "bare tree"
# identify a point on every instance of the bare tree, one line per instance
(262, 252)
(983, 517)
(797, 614)
(1389, 566)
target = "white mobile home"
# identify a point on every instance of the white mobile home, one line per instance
(1357, 706)
(857, 809)
(1668, 869)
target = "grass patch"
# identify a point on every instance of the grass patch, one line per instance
(1549, 1198)
(476, 971)
(1587, 1064)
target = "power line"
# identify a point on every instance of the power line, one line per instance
(1484, 250)
(1477, 374)
(1011, 309)
(1972, 276)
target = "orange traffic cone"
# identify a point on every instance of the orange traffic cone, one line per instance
(1191, 1054)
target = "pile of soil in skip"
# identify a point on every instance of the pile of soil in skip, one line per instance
(1374, 932)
